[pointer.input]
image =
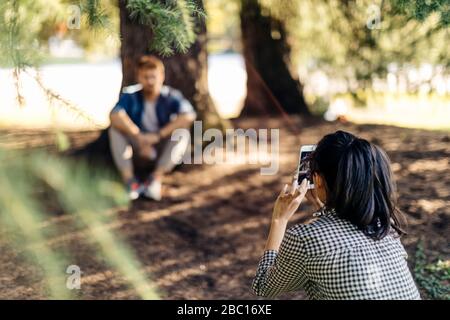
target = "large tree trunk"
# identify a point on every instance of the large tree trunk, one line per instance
(271, 84)
(187, 72)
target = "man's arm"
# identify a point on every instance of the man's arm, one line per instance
(122, 122)
(183, 120)
(185, 116)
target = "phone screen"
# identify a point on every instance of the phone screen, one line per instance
(303, 168)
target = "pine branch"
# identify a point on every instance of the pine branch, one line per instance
(172, 22)
(422, 9)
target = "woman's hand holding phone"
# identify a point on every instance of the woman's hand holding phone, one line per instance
(285, 206)
(288, 201)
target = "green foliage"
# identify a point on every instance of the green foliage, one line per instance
(318, 104)
(223, 25)
(20, 214)
(62, 141)
(25, 25)
(99, 27)
(433, 278)
(95, 13)
(83, 192)
(355, 41)
(172, 22)
(20, 23)
(422, 9)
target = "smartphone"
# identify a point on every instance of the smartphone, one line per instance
(303, 169)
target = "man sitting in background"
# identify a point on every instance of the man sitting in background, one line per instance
(141, 125)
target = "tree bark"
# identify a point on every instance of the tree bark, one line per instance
(187, 72)
(271, 84)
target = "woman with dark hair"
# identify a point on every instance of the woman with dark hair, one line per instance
(351, 250)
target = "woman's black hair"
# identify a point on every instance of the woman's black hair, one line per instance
(359, 182)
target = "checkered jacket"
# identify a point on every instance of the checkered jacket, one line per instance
(331, 258)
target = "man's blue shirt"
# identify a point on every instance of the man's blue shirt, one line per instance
(169, 104)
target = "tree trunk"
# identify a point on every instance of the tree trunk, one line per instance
(271, 84)
(187, 72)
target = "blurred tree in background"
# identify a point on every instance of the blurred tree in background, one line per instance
(271, 81)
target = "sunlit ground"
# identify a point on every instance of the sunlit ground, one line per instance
(416, 111)
(93, 88)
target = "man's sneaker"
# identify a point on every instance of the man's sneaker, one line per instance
(133, 189)
(152, 189)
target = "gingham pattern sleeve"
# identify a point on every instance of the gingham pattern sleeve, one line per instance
(280, 271)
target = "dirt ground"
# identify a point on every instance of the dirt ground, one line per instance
(204, 239)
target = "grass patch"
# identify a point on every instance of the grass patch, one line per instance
(433, 278)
